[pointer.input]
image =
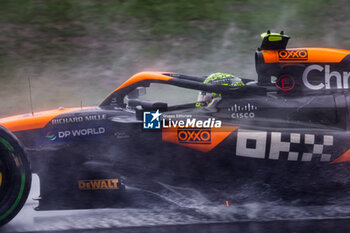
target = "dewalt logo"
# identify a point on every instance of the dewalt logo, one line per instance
(105, 184)
(194, 136)
(293, 55)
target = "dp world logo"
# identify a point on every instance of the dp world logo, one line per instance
(151, 120)
(51, 136)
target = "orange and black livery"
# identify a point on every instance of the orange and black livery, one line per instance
(306, 69)
(293, 117)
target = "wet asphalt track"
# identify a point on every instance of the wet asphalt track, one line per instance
(143, 221)
(198, 216)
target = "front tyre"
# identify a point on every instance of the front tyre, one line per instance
(15, 176)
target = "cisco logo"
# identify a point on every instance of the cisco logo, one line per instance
(243, 111)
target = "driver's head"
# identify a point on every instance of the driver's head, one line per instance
(205, 98)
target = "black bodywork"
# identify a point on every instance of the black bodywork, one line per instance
(280, 137)
(120, 148)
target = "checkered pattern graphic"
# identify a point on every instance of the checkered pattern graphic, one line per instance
(317, 148)
(278, 146)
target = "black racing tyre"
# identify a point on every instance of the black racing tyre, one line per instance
(15, 176)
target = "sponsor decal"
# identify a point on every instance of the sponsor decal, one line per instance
(293, 55)
(51, 136)
(194, 136)
(78, 119)
(60, 121)
(75, 133)
(201, 139)
(243, 111)
(105, 184)
(151, 120)
(81, 132)
(285, 83)
(341, 79)
(297, 147)
(121, 135)
(95, 117)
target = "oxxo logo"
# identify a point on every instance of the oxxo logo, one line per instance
(151, 120)
(194, 136)
(342, 80)
(295, 146)
(299, 54)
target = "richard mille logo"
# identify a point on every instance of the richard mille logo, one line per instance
(243, 111)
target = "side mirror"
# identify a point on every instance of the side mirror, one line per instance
(136, 93)
(149, 106)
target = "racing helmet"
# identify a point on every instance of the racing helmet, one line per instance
(206, 98)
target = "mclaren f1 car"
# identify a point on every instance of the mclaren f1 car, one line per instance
(295, 117)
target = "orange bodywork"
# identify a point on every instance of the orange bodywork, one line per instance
(314, 55)
(144, 76)
(141, 77)
(217, 136)
(41, 119)
(37, 121)
(343, 158)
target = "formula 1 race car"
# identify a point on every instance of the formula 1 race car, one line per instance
(295, 117)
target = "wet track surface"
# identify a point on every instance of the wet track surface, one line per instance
(190, 211)
(135, 221)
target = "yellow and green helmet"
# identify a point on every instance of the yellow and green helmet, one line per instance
(205, 98)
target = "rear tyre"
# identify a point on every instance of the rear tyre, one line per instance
(15, 176)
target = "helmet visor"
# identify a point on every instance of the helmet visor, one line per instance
(204, 97)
